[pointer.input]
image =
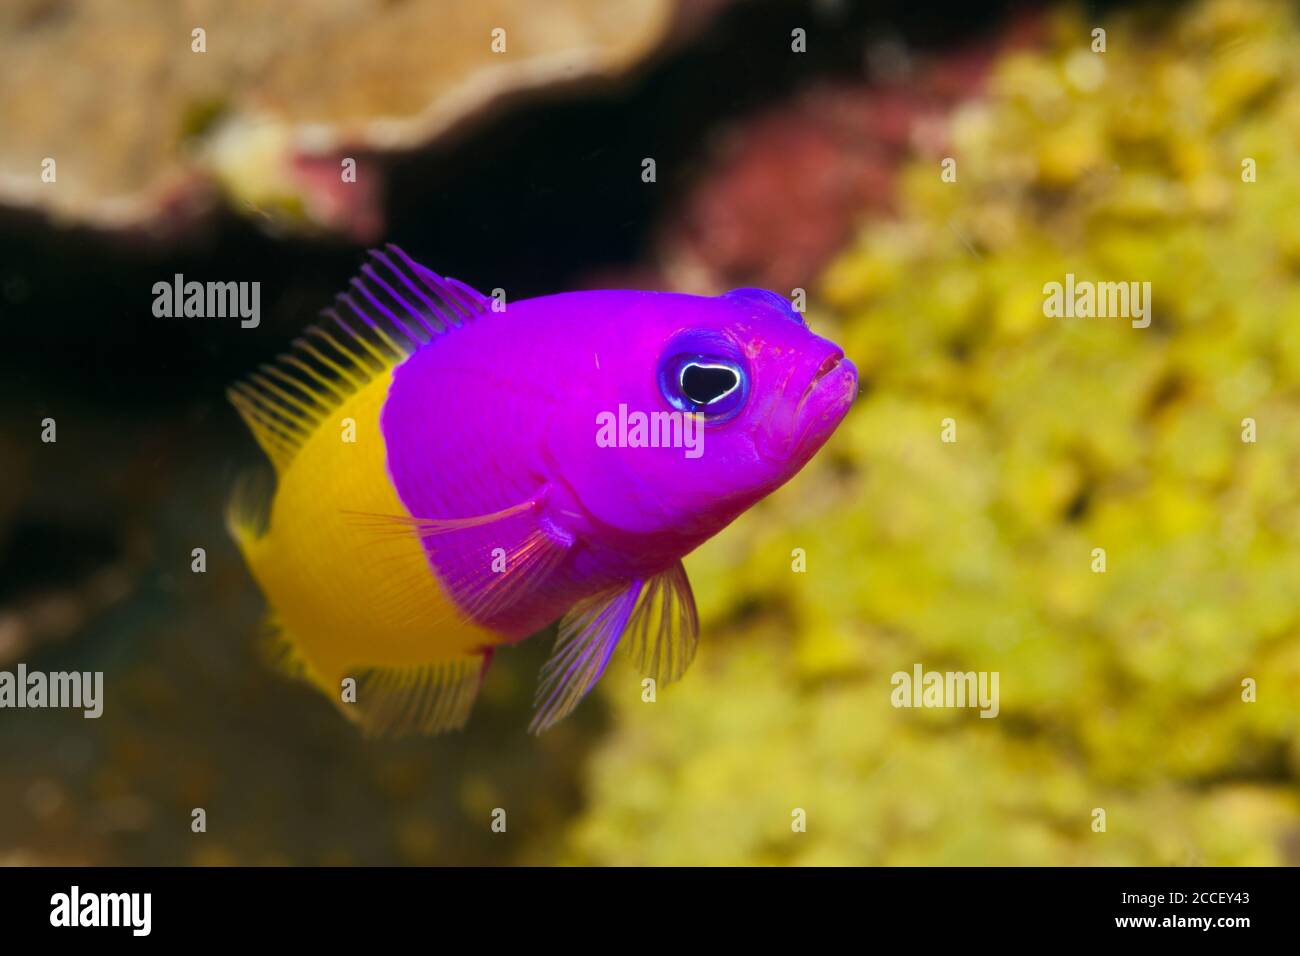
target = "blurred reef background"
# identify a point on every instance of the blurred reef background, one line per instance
(821, 171)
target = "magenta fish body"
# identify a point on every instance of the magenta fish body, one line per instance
(560, 455)
(520, 397)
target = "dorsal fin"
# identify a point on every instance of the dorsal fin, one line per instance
(392, 308)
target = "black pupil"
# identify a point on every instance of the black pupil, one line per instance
(704, 384)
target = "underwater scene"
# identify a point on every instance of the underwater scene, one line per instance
(649, 433)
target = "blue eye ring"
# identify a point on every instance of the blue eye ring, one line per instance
(673, 374)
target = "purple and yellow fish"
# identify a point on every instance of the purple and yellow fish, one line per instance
(454, 474)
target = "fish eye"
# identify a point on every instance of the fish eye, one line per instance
(705, 384)
(709, 385)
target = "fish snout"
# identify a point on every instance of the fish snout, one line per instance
(815, 401)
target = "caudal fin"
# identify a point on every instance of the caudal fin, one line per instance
(248, 512)
(247, 521)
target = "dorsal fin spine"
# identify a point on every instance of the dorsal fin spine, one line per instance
(270, 388)
(402, 306)
(413, 288)
(434, 310)
(369, 323)
(394, 353)
(369, 296)
(343, 371)
(461, 305)
(273, 431)
(456, 306)
(415, 271)
(309, 409)
(310, 372)
(460, 294)
(466, 293)
(374, 326)
(369, 271)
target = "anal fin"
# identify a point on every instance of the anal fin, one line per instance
(422, 699)
(588, 635)
(281, 653)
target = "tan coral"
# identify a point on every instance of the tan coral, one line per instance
(117, 96)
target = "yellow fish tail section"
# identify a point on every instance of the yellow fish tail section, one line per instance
(356, 607)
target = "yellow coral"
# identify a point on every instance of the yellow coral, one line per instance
(1120, 691)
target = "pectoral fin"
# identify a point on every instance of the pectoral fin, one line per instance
(665, 629)
(659, 619)
(588, 635)
(487, 562)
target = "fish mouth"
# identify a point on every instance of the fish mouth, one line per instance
(828, 366)
(821, 405)
(834, 368)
